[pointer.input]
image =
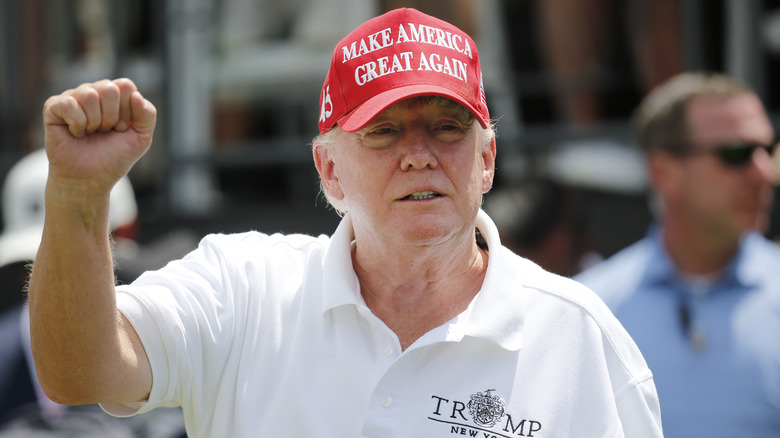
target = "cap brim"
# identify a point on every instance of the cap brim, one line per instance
(358, 118)
(20, 246)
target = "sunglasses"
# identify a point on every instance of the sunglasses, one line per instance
(738, 154)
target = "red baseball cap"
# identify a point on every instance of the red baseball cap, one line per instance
(401, 54)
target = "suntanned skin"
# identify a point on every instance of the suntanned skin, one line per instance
(84, 350)
(417, 260)
(708, 206)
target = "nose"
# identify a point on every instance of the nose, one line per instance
(416, 150)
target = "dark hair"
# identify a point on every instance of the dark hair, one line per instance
(660, 120)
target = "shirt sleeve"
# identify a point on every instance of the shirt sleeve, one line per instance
(184, 315)
(639, 410)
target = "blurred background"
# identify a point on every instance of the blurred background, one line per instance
(237, 82)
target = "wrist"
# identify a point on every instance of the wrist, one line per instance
(72, 201)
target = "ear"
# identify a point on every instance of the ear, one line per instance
(488, 165)
(326, 167)
(666, 173)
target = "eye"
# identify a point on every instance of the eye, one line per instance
(449, 127)
(380, 128)
(379, 135)
(449, 130)
(381, 131)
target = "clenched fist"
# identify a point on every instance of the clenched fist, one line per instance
(95, 132)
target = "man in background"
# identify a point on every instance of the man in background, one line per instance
(700, 294)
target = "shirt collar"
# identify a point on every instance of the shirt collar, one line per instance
(494, 314)
(340, 283)
(751, 263)
(744, 270)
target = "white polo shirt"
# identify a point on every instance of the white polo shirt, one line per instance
(256, 335)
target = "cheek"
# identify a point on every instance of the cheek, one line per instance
(359, 183)
(702, 179)
(715, 194)
(464, 172)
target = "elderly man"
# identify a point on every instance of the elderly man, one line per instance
(411, 320)
(700, 293)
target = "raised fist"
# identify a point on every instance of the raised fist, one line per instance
(95, 132)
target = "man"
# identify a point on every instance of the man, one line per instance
(700, 293)
(406, 322)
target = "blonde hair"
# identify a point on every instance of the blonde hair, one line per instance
(660, 120)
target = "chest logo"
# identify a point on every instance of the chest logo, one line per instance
(483, 415)
(486, 409)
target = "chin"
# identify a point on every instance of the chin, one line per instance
(425, 232)
(425, 235)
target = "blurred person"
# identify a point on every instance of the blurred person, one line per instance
(24, 408)
(249, 92)
(410, 320)
(23, 203)
(576, 37)
(543, 220)
(699, 294)
(461, 13)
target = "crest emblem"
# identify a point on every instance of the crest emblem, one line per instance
(486, 409)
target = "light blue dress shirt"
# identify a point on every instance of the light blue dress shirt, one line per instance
(714, 353)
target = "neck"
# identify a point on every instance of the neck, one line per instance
(416, 290)
(698, 251)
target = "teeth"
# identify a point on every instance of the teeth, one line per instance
(422, 195)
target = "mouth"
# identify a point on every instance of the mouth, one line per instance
(418, 196)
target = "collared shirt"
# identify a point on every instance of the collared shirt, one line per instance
(713, 349)
(257, 335)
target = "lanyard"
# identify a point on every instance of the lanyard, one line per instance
(690, 325)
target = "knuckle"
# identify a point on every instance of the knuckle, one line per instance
(50, 103)
(86, 94)
(124, 85)
(111, 90)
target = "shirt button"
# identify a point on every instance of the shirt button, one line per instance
(389, 351)
(387, 401)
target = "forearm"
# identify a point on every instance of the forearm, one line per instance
(77, 338)
(84, 350)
